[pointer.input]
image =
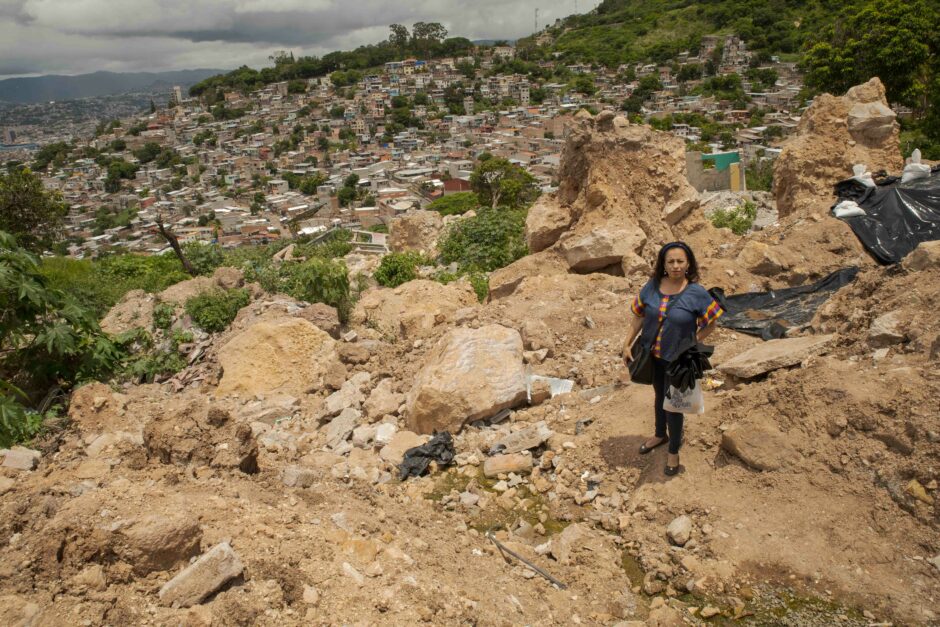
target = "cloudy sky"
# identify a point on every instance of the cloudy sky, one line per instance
(79, 36)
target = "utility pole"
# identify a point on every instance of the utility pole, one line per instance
(536, 21)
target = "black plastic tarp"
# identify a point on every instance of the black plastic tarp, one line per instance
(899, 216)
(770, 314)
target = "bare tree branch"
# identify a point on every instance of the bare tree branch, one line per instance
(174, 243)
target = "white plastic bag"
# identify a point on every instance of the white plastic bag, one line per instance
(689, 402)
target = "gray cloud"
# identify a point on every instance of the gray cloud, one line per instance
(77, 36)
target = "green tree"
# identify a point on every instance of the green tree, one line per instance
(496, 182)
(895, 40)
(29, 212)
(455, 204)
(398, 37)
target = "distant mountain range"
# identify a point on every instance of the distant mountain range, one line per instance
(54, 87)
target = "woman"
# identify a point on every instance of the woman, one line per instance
(671, 307)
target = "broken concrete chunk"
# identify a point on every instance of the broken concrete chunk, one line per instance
(524, 439)
(342, 426)
(886, 330)
(680, 530)
(201, 579)
(775, 354)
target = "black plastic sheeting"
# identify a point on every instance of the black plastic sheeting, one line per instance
(438, 449)
(770, 314)
(898, 216)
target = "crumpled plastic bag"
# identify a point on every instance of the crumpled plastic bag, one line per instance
(439, 448)
(690, 401)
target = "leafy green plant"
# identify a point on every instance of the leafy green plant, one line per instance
(738, 219)
(163, 316)
(214, 310)
(47, 338)
(204, 258)
(481, 285)
(398, 268)
(490, 240)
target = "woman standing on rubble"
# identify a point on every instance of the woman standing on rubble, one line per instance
(670, 309)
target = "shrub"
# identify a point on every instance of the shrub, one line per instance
(398, 268)
(214, 310)
(146, 362)
(481, 285)
(314, 281)
(488, 241)
(47, 337)
(455, 204)
(204, 258)
(163, 316)
(738, 219)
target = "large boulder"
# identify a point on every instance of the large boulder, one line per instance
(417, 231)
(834, 134)
(775, 354)
(284, 355)
(179, 293)
(412, 309)
(760, 445)
(135, 309)
(471, 374)
(503, 282)
(546, 221)
(627, 173)
(602, 247)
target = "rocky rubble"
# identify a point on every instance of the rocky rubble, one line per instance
(260, 485)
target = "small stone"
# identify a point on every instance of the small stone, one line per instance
(21, 458)
(708, 611)
(868, 615)
(6, 484)
(195, 583)
(298, 477)
(915, 489)
(311, 596)
(501, 464)
(353, 574)
(469, 499)
(350, 336)
(680, 530)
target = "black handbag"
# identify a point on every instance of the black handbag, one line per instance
(641, 366)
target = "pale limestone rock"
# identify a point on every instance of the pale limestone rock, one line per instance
(470, 374)
(775, 354)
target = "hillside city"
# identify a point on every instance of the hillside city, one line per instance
(299, 157)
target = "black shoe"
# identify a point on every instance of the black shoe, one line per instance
(644, 449)
(671, 471)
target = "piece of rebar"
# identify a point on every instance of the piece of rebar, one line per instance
(504, 550)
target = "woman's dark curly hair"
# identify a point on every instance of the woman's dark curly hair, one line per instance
(660, 270)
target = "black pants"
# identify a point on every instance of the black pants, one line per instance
(665, 418)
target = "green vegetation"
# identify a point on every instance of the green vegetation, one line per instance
(492, 239)
(317, 280)
(738, 219)
(214, 310)
(398, 268)
(759, 175)
(28, 212)
(48, 339)
(426, 40)
(455, 204)
(497, 182)
(895, 40)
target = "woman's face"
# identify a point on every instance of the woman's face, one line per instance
(676, 263)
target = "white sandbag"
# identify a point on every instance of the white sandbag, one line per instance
(847, 209)
(862, 176)
(915, 169)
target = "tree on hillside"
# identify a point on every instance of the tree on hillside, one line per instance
(398, 37)
(896, 40)
(29, 212)
(174, 243)
(424, 35)
(497, 182)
